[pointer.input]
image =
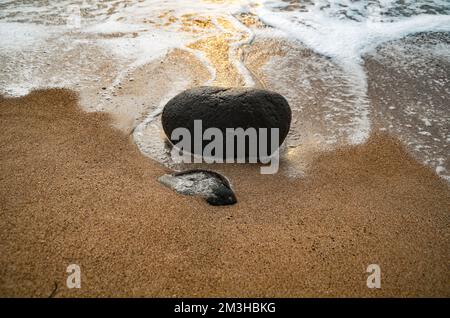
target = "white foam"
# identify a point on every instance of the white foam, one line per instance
(146, 134)
(18, 36)
(234, 53)
(323, 26)
(145, 48)
(346, 39)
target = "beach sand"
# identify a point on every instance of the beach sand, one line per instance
(75, 190)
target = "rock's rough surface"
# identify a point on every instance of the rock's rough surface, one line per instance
(227, 108)
(210, 185)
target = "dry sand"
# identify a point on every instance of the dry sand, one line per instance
(74, 190)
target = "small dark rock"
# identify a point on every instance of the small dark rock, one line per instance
(210, 185)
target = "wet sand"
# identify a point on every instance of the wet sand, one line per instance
(75, 190)
(410, 96)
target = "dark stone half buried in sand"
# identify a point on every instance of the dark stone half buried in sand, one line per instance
(209, 185)
(225, 108)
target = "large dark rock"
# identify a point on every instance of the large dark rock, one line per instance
(227, 108)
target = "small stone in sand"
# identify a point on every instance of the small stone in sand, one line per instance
(211, 186)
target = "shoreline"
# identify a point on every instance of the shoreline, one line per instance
(75, 190)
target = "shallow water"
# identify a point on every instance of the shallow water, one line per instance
(347, 67)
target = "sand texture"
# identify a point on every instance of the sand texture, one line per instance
(75, 190)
